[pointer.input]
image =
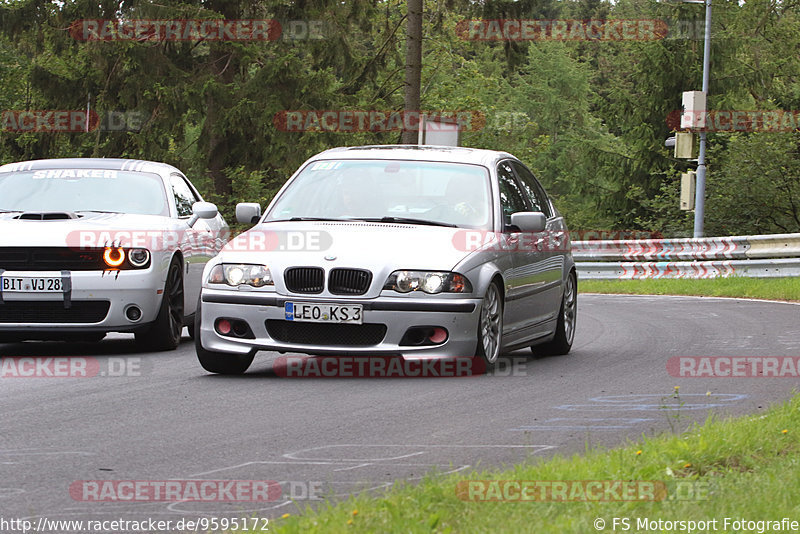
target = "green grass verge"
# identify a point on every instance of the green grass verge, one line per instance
(736, 468)
(760, 288)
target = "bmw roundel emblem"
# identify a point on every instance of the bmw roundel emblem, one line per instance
(330, 258)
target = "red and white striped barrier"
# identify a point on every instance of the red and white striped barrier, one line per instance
(751, 256)
(662, 249)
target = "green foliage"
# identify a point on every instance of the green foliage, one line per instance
(756, 186)
(589, 117)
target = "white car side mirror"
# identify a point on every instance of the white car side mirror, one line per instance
(248, 212)
(202, 210)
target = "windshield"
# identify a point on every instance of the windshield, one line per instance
(76, 190)
(419, 191)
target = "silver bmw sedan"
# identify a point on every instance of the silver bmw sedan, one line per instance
(393, 251)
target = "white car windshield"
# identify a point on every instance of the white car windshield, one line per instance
(450, 194)
(77, 190)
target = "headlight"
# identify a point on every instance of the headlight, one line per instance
(428, 282)
(237, 274)
(114, 256)
(139, 257)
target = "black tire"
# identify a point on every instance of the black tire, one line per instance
(490, 327)
(165, 332)
(221, 363)
(567, 321)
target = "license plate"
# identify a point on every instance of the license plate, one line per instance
(31, 284)
(323, 313)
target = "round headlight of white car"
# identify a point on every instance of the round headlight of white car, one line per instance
(139, 257)
(114, 257)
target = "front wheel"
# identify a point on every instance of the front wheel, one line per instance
(567, 320)
(490, 327)
(165, 333)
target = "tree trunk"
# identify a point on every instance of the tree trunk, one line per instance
(214, 144)
(223, 64)
(413, 66)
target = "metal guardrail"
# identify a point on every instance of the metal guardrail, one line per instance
(761, 256)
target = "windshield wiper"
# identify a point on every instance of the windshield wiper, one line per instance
(96, 211)
(408, 220)
(293, 219)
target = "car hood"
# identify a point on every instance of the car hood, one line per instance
(89, 229)
(373, 246)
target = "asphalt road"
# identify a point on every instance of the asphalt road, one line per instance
(165, 418)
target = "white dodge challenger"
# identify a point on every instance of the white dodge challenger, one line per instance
(91, 246)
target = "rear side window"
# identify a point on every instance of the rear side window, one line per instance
(533, 189)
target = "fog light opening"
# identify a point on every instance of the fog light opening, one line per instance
(415, 336)
(133, 313)
(224, 327)
(438, 335)
(240, 329)
(424, 335)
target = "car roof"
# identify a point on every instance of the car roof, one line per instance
(399, 152)
(113, 164)
(450, 154)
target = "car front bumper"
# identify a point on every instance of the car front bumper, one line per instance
(459, 316)
(94, 301)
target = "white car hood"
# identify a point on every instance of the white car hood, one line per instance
(68, 232)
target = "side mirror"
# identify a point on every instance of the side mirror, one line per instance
(529, 221)
(202, 210)
(248, 212)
